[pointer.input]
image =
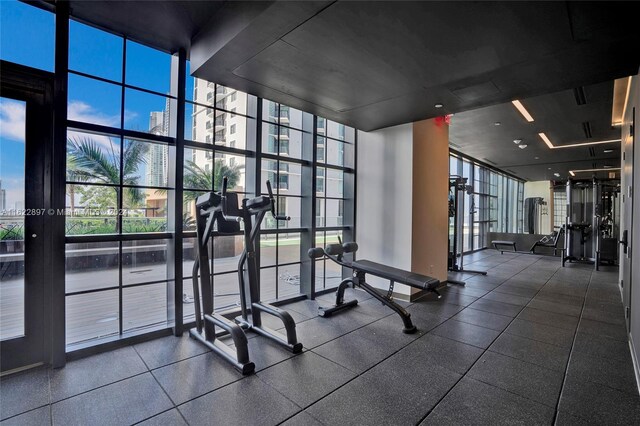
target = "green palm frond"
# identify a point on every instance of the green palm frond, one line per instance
(88, 160)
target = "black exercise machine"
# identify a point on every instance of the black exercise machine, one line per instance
(457, 189)
(549, 241)
(335, 252)
(222, 209)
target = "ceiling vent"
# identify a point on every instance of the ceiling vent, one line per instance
(581, 98)
(592, 151)
(586, 128)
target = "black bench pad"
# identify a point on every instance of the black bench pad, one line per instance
(411, 279)
(504, 243)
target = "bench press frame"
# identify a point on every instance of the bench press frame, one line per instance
(359, 280)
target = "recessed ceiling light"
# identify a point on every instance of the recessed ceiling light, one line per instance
(536, 158)
(523, 146)
(497, 123)
(517, 141)
(522, 110)
(607, 151)
(549, 168)
(438, 105)
(556, 174)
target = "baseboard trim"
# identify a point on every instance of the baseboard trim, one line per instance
(634, 359)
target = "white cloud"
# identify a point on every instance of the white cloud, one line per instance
(12, 119)
(80, 111)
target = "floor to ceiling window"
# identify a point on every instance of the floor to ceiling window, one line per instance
(494, 204)
(127, 253)
(119, 141)
(335, 164)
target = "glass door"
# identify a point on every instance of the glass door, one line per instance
(25, 131)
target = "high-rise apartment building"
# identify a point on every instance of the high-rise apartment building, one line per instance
(3, 197)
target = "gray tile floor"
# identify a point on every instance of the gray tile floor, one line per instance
(530, 343)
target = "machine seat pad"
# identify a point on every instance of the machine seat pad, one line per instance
(259, 203)
(401, 276)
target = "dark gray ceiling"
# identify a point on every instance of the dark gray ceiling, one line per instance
(376, 64)
(559, 116)
(165, 25)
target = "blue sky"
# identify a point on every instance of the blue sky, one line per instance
(93, 52)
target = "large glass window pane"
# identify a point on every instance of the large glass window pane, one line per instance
(335, 152)
(198, 169)
(268, 249)
(92, 315)
(199, 124)
(148, 68)
(339, 131)
(90, 266)
(231, 130)
(333, 274)
(188, 257)
(288, 206)
(288, 248)
(91, 209)
(270, 111)
(226, 253)
(233, 168)
(288, 280)
(289, 179)
(12, 202)
(144, 261)
(226, 292)
(95, 52)
(27, 35)
(268, 283)
(93, 158)
(320, 212)
(148, 113)
(144, 210)
(93, 101)
(334, 213)
(151, 162)
(270, 138)
(231, 100)
(335, 183)
(144, 306)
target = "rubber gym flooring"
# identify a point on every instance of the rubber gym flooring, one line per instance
(530, 343)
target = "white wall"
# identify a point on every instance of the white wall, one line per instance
(542, 189)
(384, 202)
(633, 106)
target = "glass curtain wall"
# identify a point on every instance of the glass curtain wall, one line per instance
(120, 136)
(334, 173)
(124, 241)
(494, 206)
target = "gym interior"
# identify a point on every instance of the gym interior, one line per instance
(318, 212)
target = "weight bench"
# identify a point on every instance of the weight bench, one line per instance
(360, 268)
(550, 241)
(497, 243)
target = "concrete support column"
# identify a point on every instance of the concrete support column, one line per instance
(429, 242)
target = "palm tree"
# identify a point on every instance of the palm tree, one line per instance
(86, 161)
(197, 177)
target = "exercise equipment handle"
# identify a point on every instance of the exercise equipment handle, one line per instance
(273, 205)
(223, 196)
